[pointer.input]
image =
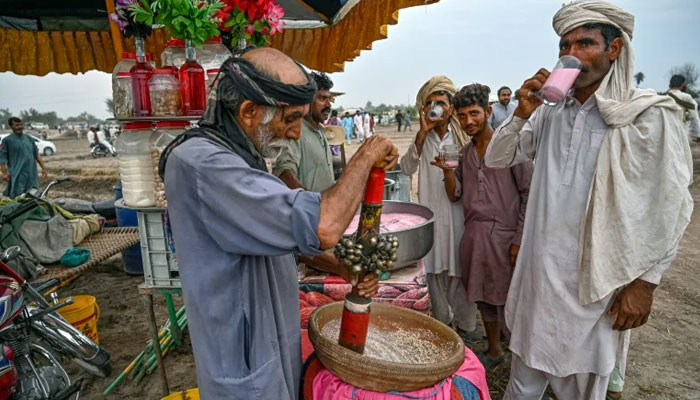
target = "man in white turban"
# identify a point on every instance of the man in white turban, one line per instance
(443, 272)
(608, 204)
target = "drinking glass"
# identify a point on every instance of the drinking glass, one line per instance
(449, 155)
(560, 81)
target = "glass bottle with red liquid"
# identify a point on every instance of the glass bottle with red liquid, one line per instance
(140, 74)
(192, 83)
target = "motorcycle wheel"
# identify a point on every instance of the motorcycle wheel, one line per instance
(94, 154)
(100, 365)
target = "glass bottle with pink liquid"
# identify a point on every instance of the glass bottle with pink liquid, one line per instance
(192, 83)
(560, 81)
(140, 74)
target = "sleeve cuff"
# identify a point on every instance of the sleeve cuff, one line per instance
(305, 215)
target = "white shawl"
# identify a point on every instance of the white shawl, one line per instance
(639, 203)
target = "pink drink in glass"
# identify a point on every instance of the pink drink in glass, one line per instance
(560, 80)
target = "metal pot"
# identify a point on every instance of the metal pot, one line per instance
(415, 242)
(389, 185)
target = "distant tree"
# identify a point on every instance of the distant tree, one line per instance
(369, 106)
(639, 77)
(32, 115)
(690, 72)
(109, 103)
(87, 117)
(5, 114)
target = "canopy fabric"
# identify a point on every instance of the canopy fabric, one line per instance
(38, 52)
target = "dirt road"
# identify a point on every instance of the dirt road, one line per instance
(664, 359)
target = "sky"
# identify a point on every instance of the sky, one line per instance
(493, 42)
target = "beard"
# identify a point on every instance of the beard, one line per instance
(269, 146)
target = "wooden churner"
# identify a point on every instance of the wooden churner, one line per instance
(366, 253)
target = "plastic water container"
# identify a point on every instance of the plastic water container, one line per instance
(131, 257)
(135, 166)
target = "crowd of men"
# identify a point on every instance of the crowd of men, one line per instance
(561, 257)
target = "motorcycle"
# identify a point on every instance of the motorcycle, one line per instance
(99, 150)
(34, 337)
(104, 208)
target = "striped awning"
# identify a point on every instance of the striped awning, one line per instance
(326, 46)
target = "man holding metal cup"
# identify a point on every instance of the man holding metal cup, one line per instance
(438, 128)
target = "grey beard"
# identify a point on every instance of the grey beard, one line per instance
(269, 146)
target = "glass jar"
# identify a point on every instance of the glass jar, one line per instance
(164, 90)
(211, 77)
(135, 165)
(193, 87)
(213, 53)
(174, 52)
(140, 74)
(121, 96)
(165, 132)
(167, 62)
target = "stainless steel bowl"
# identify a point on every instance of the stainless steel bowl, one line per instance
(388, 188)
(414, 242)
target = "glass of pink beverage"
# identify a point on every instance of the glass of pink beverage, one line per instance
(449, 155)
(560, 80)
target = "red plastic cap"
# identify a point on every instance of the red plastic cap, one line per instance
(175, 42)
(129, 55)
(213, 71)
(149, 56)
(171, 124)
(123, 75)
(140, 126)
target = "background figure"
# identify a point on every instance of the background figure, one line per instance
(18, 158)
(399, 119)
(334, 120)
(502, 109)
(367, 124)
(677, 91)
(407, 121)
(358, 122)
(348, 125)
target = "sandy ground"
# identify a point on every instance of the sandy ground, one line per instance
(664, 359)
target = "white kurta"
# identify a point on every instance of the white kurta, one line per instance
(550, 330)
(449, 217)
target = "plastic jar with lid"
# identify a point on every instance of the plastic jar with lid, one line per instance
(165, 132)
(135, 165)
(164, 88)
(211, 76)
(173, 53)
(121, 96)
(213, 53)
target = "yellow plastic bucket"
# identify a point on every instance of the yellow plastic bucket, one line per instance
(83, 315)
(191, 394)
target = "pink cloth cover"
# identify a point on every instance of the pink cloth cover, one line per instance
(327, 386)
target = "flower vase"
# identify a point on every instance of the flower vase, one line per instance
(192, 83)
(140, 74)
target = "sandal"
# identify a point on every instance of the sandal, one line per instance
(490, 363)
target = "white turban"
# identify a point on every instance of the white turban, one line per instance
(639, 203)
(441, 83)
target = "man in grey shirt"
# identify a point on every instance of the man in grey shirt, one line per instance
(307, 163)
(236, 227)
(502, 109)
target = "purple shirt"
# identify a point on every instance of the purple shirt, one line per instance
(494, 202)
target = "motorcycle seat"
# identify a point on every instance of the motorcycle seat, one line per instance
(75, 206)
(105, 208)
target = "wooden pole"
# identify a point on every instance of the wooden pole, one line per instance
(114, 29)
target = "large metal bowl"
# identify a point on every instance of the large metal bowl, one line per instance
(415, 242)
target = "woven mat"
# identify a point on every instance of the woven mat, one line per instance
(102, 245)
